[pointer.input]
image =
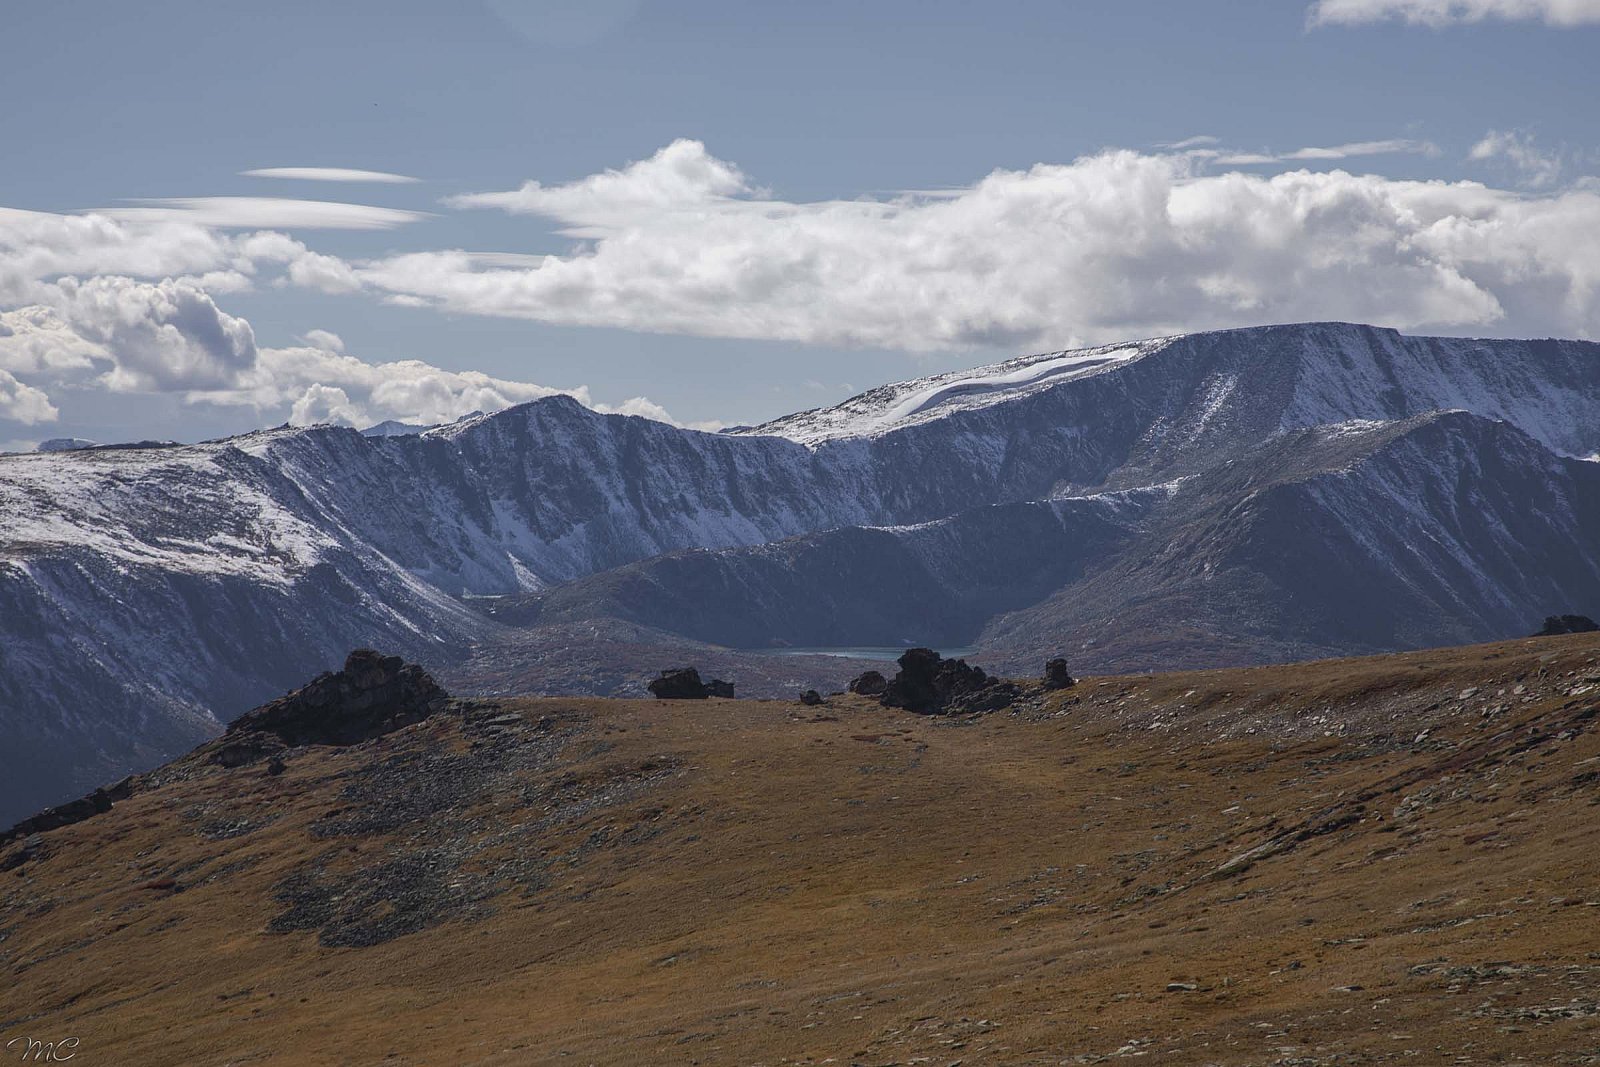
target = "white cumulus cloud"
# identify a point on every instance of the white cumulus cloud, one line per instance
(1446, 12)
(682, 177)
(169, 335)
(321, 384)
(1109, 246)
(126, 304)
(24, 403)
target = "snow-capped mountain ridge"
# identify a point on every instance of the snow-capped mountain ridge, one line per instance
(146, 593)
(888, 407)
(1317, 372)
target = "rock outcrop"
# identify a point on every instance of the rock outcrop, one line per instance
(1555, 625)
(373, 695)
(683, 683)
(929, 684)
(96, 803)
(869, 684)
(1056, 675)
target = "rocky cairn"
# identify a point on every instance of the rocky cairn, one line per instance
(1056, 675)
(683, 683)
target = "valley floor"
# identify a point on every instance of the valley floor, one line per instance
(1350, 862)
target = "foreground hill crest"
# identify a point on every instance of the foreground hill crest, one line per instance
(1352, 861)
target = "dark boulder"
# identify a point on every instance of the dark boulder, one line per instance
(679, 683)
(929, 684)
(683, 683)
(811, 698)
(1568, 624)
(870, 684)
(373, 695)
(1056, 675)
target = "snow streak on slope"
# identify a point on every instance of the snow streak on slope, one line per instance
(194, 510)
(906, 403)
(1243, 383)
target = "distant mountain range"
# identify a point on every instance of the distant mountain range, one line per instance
(1212, 499)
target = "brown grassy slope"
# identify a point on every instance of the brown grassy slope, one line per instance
(633, 882)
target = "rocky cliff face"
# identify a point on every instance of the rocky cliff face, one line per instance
(1229, 497)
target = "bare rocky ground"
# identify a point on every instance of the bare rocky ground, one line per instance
(1372, 861)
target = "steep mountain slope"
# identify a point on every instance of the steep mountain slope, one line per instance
(1224, 497)
(1354, 537)
(931, 583)
(1173, 393)
(1358, 538)
(146, 592)
(1345, 862)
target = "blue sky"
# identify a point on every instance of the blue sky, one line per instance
(820, 215)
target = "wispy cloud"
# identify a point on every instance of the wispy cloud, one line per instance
(1535, 168)
(1448, 12)
(1393, 146)
(264, 212)
(329, 174)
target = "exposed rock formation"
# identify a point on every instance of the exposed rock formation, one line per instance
(1056, 675)
(683, 683)
(96, 803)
(374, 695)
(811, 698)
(929, 684)
(1567, 624)
(869, 684)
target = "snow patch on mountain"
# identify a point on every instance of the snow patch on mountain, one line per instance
(890, 407)
(178, 509)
